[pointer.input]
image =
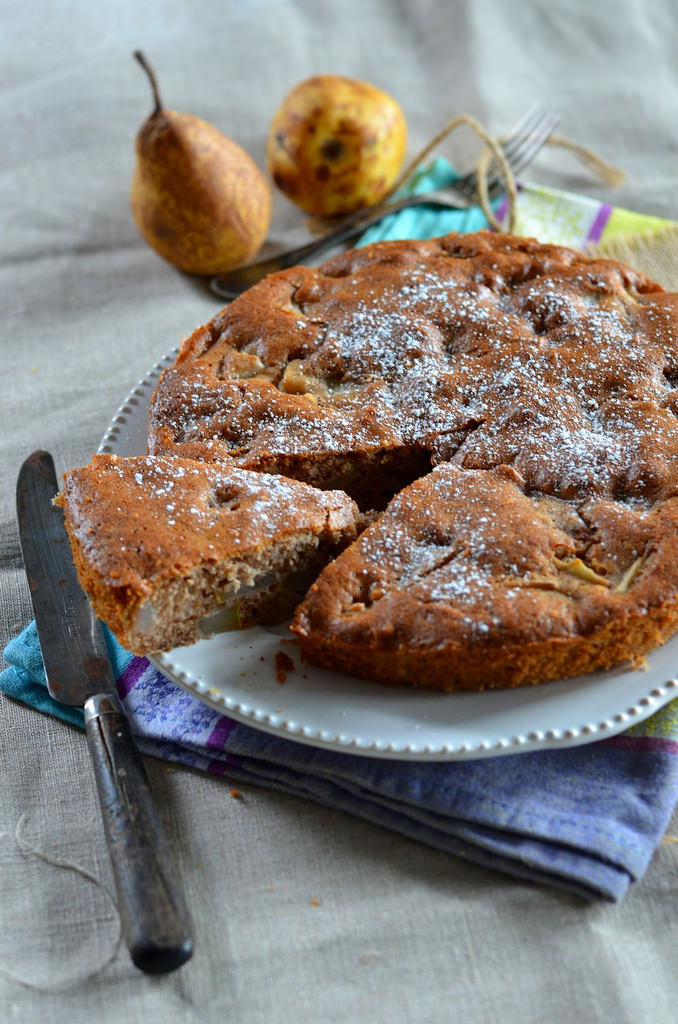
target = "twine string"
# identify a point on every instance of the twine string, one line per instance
(493, 154)
(48, 858)
(494, 151)
(606, 172)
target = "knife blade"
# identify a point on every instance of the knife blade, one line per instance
(154, 917)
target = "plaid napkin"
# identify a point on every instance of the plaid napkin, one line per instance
(585, 819)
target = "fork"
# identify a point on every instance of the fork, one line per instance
(519, 147)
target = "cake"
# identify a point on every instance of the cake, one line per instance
(509, 410)
(170, 550)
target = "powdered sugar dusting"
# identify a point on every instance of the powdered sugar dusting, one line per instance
(474, 358)
(164, 508)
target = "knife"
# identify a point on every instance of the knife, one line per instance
(154, 918)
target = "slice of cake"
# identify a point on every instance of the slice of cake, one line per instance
(470, 580)
(170, 550)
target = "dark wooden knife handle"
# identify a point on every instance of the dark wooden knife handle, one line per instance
(155, 921)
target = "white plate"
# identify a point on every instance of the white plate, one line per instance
(235, 673)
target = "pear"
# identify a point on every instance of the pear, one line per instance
(197, 197)
(336, 144)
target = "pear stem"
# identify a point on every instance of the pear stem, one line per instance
(154, 81)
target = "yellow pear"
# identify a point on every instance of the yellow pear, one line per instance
(336, 144)
(197, 197)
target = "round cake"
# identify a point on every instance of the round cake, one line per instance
(516, 405)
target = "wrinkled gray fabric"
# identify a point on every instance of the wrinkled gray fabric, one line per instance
(400, 932)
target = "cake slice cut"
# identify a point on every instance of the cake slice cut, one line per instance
(471, 580)
(170, 550)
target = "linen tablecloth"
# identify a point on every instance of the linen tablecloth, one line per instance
(302, 912)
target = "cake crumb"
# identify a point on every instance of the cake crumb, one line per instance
(315, 902)
(236, 794)
(283, 665)
(640, 664)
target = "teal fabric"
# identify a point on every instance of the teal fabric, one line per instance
(427, 221)
(25, 679)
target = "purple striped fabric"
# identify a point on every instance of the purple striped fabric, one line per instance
(653, 744)
(131, 675)
(595, 232)
(220, 733)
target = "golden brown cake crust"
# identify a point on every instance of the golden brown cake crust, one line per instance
(541, 384)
